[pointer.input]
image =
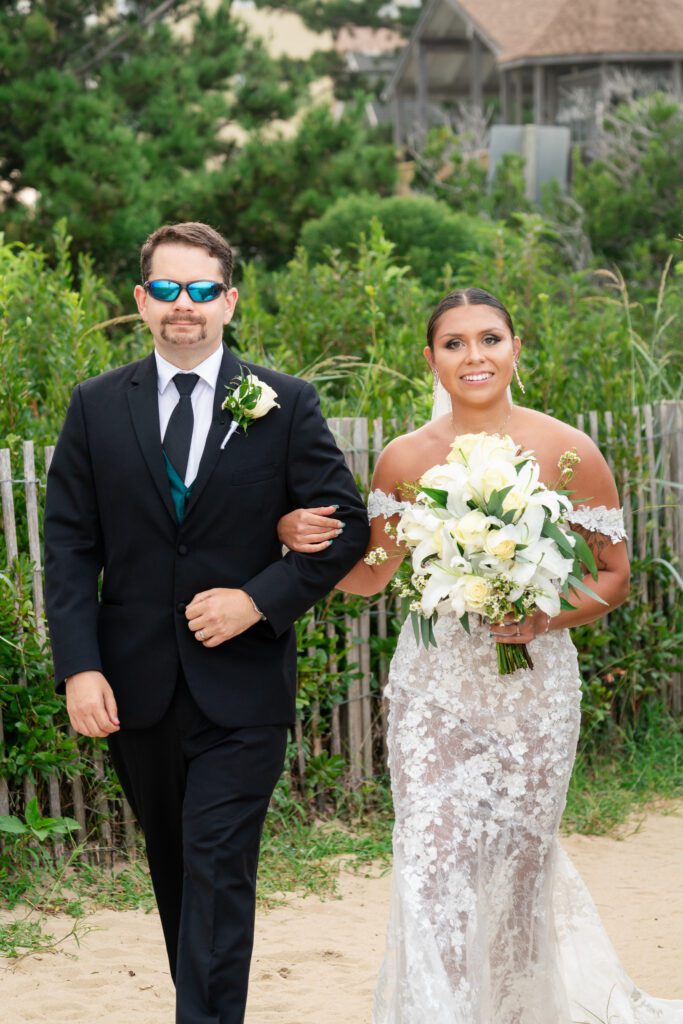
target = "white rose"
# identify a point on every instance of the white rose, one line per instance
(476, 591)
(462, 448)
(266, 400)
(515, 501)
(500, 544)
(470, 449)
(470, 531)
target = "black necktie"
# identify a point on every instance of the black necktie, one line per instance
(178, 436)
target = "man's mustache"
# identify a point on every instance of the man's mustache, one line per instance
(184, 319)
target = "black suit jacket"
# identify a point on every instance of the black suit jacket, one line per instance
(109, 509)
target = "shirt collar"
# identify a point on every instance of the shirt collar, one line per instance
(208, 369)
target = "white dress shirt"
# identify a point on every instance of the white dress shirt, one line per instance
(202, 402)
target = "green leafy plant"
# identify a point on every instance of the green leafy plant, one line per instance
(35, 826)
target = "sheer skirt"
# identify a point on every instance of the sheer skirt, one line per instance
(490, 923)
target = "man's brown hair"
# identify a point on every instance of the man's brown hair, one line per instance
(201, 236)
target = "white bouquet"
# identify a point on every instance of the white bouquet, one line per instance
(488, 538)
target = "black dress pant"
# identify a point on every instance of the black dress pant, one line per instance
(200, 793)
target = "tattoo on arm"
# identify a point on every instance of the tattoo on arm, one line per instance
(597, 542)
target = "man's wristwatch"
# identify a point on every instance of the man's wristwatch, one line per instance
(256, 608)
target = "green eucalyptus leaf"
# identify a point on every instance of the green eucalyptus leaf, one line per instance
(553, 531)
(578, 584)
(583, 552)
(438, 496)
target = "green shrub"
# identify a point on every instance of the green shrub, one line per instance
(633, 194)
(52, 335)
(426, 234)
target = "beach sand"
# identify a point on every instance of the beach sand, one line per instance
(316, 960)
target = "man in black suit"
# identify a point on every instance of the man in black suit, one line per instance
(186, 662)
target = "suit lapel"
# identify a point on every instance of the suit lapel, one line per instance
(143, 399)
(220, 423)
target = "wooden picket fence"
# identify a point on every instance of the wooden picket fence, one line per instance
(650, 487)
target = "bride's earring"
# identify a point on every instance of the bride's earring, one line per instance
(435, 374)
(519, 379)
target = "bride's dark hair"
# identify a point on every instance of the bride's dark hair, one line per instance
(466, 297)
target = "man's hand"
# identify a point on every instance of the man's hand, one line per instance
(217, 615)
(91, 704)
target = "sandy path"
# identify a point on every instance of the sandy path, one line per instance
(317, 960)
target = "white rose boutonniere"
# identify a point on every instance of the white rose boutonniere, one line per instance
(248, 399)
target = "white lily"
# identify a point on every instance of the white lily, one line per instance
(490, 476)
(457, 597)
(555, 503)
(547, 597)
(439, 587)
(544, 555)
(531, 522)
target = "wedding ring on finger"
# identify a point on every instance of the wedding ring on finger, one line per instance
(200, 634)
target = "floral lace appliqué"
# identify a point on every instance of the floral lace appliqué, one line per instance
(608, 521)
(489, 921)
(381, 504)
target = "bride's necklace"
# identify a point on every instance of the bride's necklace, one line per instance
(498, 430)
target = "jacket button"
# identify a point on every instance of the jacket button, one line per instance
(181, 606)
(182, 549)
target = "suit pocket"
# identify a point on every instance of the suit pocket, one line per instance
(253, 474)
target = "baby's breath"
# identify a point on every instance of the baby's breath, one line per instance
(376, 556)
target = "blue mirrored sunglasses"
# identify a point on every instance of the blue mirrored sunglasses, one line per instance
(199, 291)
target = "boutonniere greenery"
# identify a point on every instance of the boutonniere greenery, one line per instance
(248, 399)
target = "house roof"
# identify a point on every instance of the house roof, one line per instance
(517, 32)
(519, 29)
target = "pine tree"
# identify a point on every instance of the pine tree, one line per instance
(115, 118)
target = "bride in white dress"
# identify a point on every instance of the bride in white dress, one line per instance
(489, 922)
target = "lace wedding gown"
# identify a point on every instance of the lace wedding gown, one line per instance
(489, 922)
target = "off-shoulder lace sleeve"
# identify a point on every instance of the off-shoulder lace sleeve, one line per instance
(608, 521)
(381, 504)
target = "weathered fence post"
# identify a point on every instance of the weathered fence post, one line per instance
(76, 781)
(12, 553)
(382, 610)
(349, 440)
(671, 427)
(33, 522)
